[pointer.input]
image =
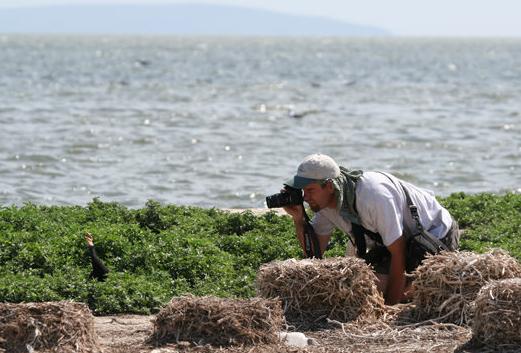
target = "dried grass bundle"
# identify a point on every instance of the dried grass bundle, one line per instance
(217, 321)
(47, 327)
(390, 338)
(497, 315)
(341, 289)
(446, 284)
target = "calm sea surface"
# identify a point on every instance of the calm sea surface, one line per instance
(223, 122)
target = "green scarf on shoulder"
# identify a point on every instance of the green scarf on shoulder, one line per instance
(345, 185)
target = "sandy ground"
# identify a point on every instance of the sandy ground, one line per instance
(128, 333)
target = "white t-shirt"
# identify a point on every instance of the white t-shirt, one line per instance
(382, 208)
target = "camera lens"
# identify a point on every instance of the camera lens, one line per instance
(278, 200)
(290, 197)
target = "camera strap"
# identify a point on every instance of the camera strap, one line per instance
(312, 245)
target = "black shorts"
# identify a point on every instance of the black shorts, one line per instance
(380, 258)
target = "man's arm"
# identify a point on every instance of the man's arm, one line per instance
(323, 241)
(297, 214)
(394, 291)
(99, 271)
(299, 230)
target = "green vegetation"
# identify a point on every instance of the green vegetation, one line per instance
(159, 251)
(489, 221)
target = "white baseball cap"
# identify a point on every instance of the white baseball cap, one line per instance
(314, 168)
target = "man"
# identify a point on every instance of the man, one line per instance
(374, 209)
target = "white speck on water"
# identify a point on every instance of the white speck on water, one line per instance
(194, 141)
(227, 148)
(146, 122)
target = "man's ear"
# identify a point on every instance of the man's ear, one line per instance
(329, 186)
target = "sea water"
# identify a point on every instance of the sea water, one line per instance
(222, 122)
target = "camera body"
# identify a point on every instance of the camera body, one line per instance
(289, 197)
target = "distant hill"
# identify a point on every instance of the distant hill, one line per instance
(172, 19)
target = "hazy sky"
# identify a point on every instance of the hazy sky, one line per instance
(401, 17)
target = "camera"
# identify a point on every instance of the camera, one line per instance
(290, 197)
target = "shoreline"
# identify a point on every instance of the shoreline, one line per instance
(256, 211)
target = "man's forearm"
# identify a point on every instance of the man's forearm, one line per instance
(299, 229)
(396, 279)
(395, 288)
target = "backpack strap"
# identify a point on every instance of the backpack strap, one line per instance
(422, 236)
(359, 233)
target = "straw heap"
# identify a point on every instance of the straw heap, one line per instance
(497, 316)
(47, 327)
(341, 289)
(217, 321)
(446, 284)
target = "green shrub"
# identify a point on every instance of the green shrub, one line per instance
(159, 251)
(130, 293)
(25, 287)
(489, 221)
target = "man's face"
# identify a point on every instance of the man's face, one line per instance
(319, 196)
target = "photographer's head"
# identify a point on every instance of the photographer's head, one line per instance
(315, 177)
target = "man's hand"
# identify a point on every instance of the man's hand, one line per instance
(89, 239)
(295, 211)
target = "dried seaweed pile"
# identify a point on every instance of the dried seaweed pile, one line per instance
(47, 327)
(445, 285)
(340, 289)
(396, 331)
(217, 321)
(391, 336)
(497, 316)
